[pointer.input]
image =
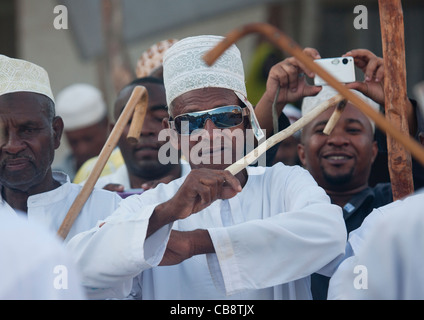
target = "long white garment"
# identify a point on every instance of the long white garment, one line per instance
(34, 263)
(278, 230)
(387, 257)
(50, 208)
(120, 176)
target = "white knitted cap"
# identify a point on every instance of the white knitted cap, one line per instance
(327, 93)
(184, 70)
(23, 76)
(80, 105)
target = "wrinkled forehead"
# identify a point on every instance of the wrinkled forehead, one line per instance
(24, 103)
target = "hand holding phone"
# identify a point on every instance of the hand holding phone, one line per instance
(341, 68)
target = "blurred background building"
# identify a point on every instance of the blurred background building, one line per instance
(105, 38)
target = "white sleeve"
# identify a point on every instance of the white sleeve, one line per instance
(112, 253)
(284, 247)
(34, 263)
(389, 264)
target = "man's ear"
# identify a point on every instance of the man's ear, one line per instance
(57, 126)
(374, 151)
(301, 154)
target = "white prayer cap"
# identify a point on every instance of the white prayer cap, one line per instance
(80, 105)
(327, 93)
(23, 76)
(184, 70)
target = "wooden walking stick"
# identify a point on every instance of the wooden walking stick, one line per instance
(337, 113)
(252, 156)
(137, 102)
(392, 34)
(282, 41)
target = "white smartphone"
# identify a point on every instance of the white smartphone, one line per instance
(341, 68)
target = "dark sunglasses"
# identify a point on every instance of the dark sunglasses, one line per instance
(222, 117)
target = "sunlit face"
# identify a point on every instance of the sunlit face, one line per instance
(213, 147)
(30, 136)
(142, 158)
(342, 160)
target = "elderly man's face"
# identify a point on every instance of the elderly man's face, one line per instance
(211, 147)
(342, 160)
(28, 140)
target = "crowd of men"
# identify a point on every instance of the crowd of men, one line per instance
(190, 229)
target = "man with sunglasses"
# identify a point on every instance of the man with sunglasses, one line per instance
(212, 235)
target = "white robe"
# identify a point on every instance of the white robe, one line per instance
(50, 208)
(386, 258)
(34, 263)
(268, 240)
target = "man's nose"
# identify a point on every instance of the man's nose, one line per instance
(210, 127)
(337, 138)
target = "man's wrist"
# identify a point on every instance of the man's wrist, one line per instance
(200, 242)
(161, 216)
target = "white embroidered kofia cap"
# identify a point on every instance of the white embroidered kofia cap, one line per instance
(327, 93)
(184, 70)
(80, 105)
(23, 76)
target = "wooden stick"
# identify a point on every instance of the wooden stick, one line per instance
(393, 43)
(334, 118)
(101, 162)
(252, 156)
(138, 117)
(282, 41)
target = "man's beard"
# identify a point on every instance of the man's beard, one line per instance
(338, 180)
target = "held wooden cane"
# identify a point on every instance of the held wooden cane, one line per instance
(337, 113)
(393, 43)
(137, 102)
(281, 40)
(252, 156)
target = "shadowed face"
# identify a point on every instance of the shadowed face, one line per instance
(87, 142)
(342, 160)
(30, 136)
(142, 158)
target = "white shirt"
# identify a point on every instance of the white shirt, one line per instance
(50, 208)
(34, 263)
(268, 240)
(387, 255)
